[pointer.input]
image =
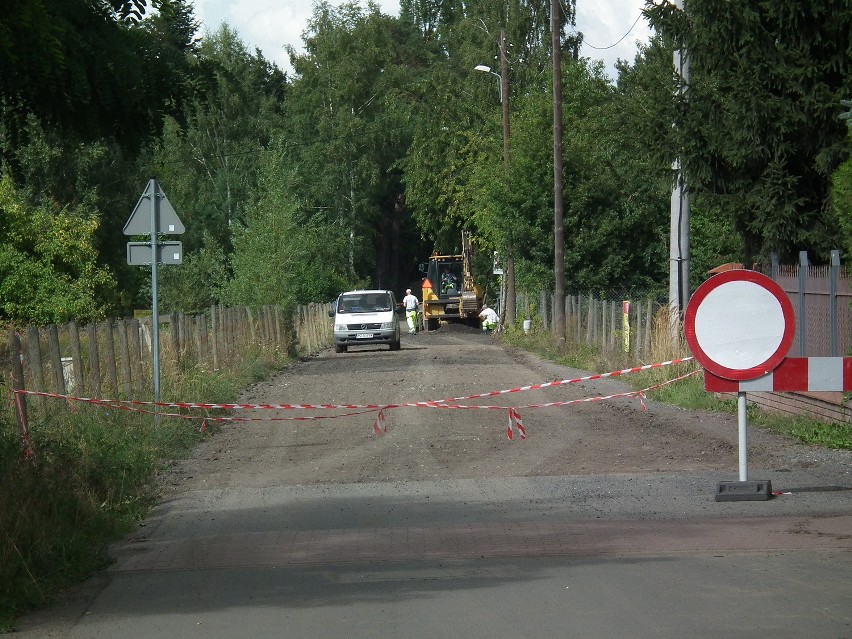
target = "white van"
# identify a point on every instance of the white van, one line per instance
(366, 317)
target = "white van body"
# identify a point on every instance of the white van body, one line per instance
(366, 317)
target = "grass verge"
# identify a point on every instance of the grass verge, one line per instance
(688, 393)
(90, 480)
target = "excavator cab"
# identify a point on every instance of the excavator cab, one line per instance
(445, 275)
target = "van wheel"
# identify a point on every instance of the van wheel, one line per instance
(395, 346)
(340, 348)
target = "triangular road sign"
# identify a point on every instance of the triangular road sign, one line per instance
(167, 221)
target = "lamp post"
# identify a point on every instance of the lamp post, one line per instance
(482, 68)
(503, 76)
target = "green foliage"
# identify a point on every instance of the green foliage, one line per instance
(810, 431)
(195, 285)
(841, 199)
(80, 65)
(207, 157)
(48, 269)
(54, 168)
(348, 122)
(687, 393)
(80, 491)
(390, 143)
(758, 127)
(281, 256)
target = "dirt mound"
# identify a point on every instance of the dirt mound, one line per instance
(457, 328)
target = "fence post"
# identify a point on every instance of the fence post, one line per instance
(34, 350)
(833, 276)
(124, 350)
(201, 329)
(648, 327)
(109, 343)
(16, 359)
(590, 320)
(94, 362)
(214, 342)
(578, 314)
(76, 357)
(803, 283)
(55, 358)
(612, 323)
(280, 337)
(174, 322)
(136, 340)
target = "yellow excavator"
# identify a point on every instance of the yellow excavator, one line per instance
(448, 291)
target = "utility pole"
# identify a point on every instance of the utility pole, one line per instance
(679, 226)
(558, 214)
(504, 103)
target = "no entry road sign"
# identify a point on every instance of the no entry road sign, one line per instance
(739, 325)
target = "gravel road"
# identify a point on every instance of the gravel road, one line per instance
(615, 436)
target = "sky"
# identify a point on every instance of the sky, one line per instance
(271, 24)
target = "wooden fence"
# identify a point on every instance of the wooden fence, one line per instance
(597, 322)
(114, 359)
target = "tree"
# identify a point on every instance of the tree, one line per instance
(760, 132)
(841, 189)
(348, 122)
(91, 66)
(48, 268)
(282, 256)
(208, 157)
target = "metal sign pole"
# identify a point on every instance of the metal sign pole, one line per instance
(742, 422)
(155, 319)
(162, 220)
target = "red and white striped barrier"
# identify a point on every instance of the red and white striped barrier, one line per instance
(793, 374)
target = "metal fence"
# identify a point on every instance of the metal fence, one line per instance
(822, 300)
(821, 297)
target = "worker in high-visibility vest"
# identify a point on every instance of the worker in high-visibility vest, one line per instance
(410, 302)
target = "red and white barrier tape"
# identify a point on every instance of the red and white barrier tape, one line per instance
(370, 407)
(380, 424)
(563, 382)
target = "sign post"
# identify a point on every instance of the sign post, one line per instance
(740, 325)
(154, 217)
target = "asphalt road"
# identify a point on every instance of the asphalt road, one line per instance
(602, 523)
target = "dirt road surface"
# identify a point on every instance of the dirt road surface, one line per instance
(615, 436)
(367, 534)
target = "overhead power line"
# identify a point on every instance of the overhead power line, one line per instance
(591, 46)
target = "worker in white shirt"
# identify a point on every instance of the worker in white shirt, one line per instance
(410, 302)
(489, 318)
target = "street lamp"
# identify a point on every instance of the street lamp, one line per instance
(486, 69)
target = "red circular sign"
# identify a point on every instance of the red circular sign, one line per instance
(739, 324)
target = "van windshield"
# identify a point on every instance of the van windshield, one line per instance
(365, 303)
